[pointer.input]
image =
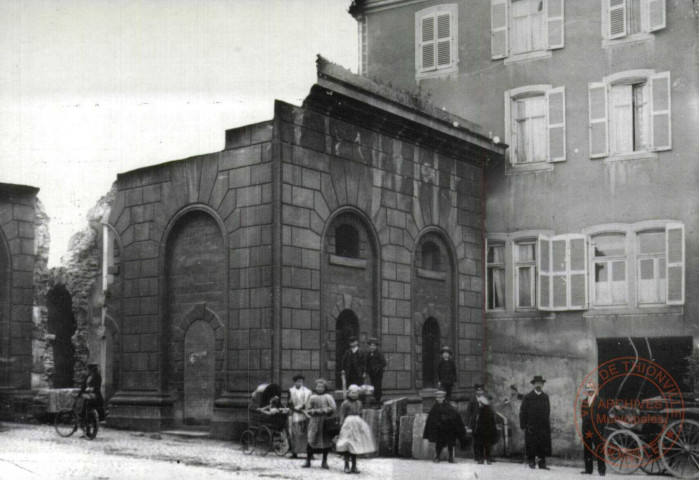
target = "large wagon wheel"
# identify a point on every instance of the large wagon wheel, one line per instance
(623, 451)
(679, 448)
(653, 466)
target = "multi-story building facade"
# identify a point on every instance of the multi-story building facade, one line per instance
(590, 248)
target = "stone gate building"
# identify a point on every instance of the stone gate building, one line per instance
(359, 213)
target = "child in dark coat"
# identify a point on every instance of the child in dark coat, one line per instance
(485, 433)
(444, 426)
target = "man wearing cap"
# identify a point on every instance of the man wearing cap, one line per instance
(534, 419)
(353, 364)
(472, 409)
(592, 431)
(298, 420)
(92, 384)
(375, 363)
(446, 372)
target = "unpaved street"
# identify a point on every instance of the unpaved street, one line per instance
(37, 452)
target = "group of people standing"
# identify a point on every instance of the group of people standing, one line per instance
(359, 366)
(311, 424)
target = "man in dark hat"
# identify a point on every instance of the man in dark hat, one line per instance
(446, 372)
(92, 385)
(472, 408)
(353, 364)
(534, 419)
(375, 363)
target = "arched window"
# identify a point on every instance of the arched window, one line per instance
(431, 259)
(346, 326)
(347, 241)
(430, 352)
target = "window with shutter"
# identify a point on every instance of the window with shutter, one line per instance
(495, 276)
(632, 18)
(525, 273)
(674, 240)
(567, 278)
(630, 115)
(518, 28)
(609, 285)
(651, 272)
(435, 40)
(535, 126)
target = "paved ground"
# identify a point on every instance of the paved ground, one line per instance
(37, 452)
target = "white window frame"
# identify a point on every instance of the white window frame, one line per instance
(609, 261)
(517, 265)
(658, 115)
(555, 126)
(434, 12)
(492, 241)
(564, 272)
(632, 273)
(553, 27)
(653, 18)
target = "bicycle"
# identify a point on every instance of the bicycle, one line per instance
(68, 420)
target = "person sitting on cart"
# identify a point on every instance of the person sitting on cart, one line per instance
(298, 420)
(92, 385)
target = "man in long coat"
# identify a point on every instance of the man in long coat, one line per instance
(375, 363)
(353, 364)
(298, 420)
(534, 419)
(446, 371)
(444, 426)
(592, 430)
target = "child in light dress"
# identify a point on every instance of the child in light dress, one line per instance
(355, 435)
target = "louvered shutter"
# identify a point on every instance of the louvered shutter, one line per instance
(444, 40)
(577, 272)
(556, 120)
(617, 18)
(555, 24)
(599, 130)
(543, 269)
(656, 15)
(674, 245)
(498, 28)
(559, 273)
(426, 48)
(661, 107)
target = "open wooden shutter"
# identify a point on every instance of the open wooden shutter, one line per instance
(577, 272)
(559, 273)
(555, 24)
(427, 59)
(543, 269)
(498, 28)
(444, 40)
(674, 276)
(617, 14)
(656, 15)
(599, 128)
(661, 108)
(556, 120)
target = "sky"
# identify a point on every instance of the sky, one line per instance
(92, 88)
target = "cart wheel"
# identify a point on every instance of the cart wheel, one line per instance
(66, 423)
(652, 466)
(263, 440)
(623, 452)
(679, 448)
(247, 442)
(280, 443)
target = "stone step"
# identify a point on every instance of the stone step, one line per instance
(193, 434)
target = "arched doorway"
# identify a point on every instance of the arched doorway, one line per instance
(195, 279)
(199, 373)
(430, 352)
(346, 326)
(61, 323)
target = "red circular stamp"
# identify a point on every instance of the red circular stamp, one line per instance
(626, 410)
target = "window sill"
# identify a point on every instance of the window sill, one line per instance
(650, 309)
(528, 167)
(519, 314)
(632, 156)
(347, 262)
(436, 73)
(635, 38)
(524, 57)
(431, 274)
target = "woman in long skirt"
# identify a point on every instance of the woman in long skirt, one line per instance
(355, 435)
(319, 407)
(298, 420)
